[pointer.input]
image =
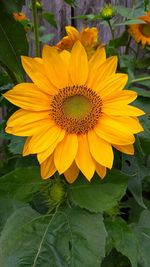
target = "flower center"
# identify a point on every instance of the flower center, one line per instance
(76, 109)
(76, 106)
(145, 30)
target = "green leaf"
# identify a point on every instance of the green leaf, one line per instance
(13, 5)
(135, 166)
(99, 195)
(71, 3)
(142, 103)
(141, 92)
(21, 183)
(145, 135)
(7, 207)
(13, 44)
(46, 38)
(142, 231)
(69, 237)
(16, 144)
(121, 237)
(128, 12)
(50, 18)
(130, 22)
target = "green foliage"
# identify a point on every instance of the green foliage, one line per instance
(21, 183)
(122, 238)
(13, 44)
(142, 232)
(99, 196)
(49, 17)
(68, 237)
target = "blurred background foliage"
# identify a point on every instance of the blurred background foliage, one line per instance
(51, 223)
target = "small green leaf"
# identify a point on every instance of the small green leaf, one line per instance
(46, 38)
(130, 22)
(71, 3)
(16, 144)
(21, 183)
(69, 237)
(50, 18)
(121, 237)
(99, 195)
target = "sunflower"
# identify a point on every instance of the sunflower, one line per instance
(19, 16)
(141, 32)
(74, 112)
(88, 37)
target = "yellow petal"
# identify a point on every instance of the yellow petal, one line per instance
(44, 138)
(72, 32)
(114, 131)
(100, 149)
(104, 71)
(46, 153)
(65, 56)
(65, 152)
(72, 173)
(55, 68)
(48, 168)
(35, 69)
(29, 129)
(129, 149)
(78, 64)
(101, 170)
(114, 84)
(123, 97)
(28, 96)
(83, 158)
(98, 58)
(22, 117)
(118, 110)
(131, 124)
(26, 150)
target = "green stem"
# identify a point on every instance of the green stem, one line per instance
(36, 30)
(112, 32)
(141, 79)
(128, 46)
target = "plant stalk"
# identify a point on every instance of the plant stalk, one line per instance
(141, 79)
(36, 30)
(112, 32)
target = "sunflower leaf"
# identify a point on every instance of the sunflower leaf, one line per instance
(13, 44)
(142, 231)
(99, 196)
(21, 183)
(69, 237)
(122, 238)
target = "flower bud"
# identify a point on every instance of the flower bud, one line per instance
(107, 12)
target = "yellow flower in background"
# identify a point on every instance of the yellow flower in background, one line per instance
(19, 16)
(141, 32)
(88, 37)
(74, 112)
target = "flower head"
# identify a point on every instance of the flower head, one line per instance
(141, 32)
(74, 112)
(88, 37)
(107, 12)
(19, 16)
